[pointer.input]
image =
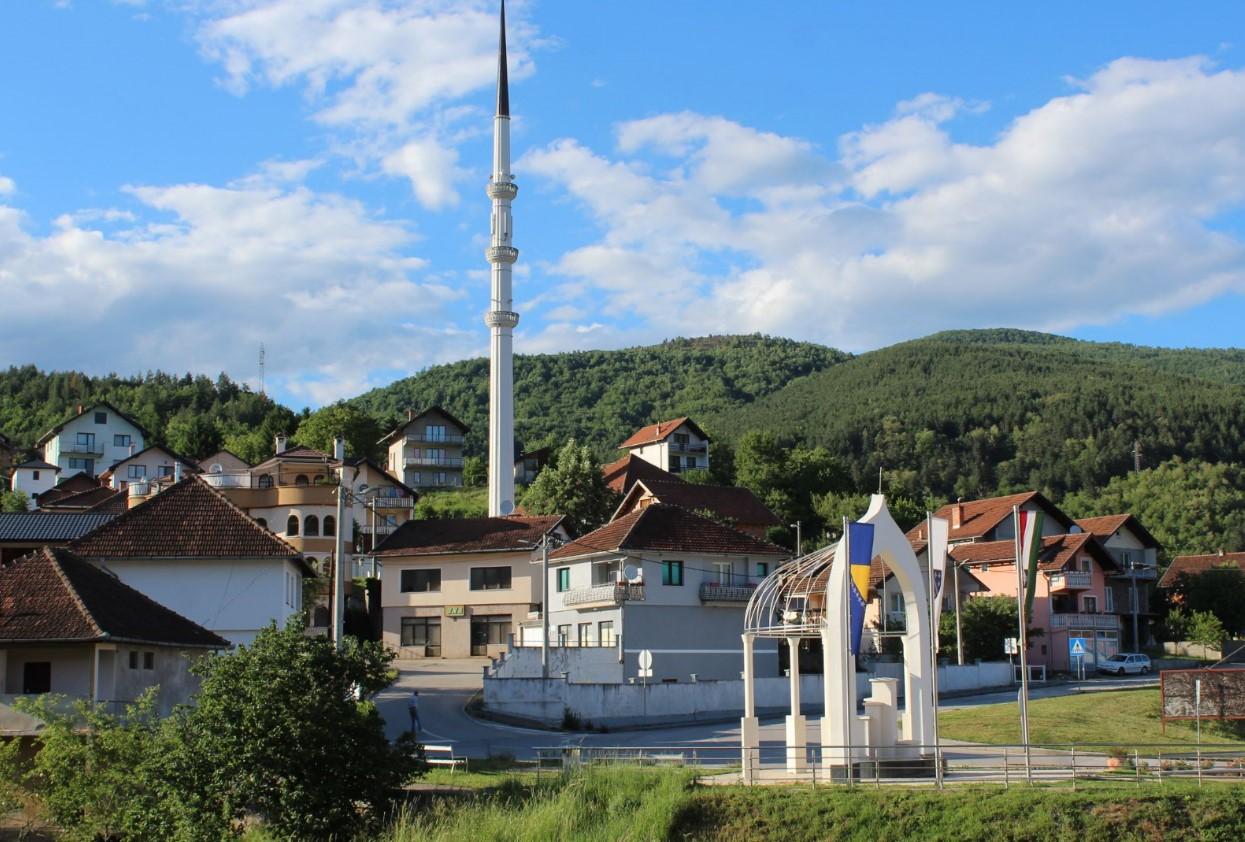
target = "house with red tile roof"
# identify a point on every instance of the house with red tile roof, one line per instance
(662, 578)
(69, 627)
(736, 507)
(94, 439)
(676, 446)
(191, 549)
(623, 473)
(1195, 565)
(457, 587)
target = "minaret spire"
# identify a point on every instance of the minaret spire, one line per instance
(500, 318)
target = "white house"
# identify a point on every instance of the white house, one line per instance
(92, 441)
(153, 462)
(427, 450)
(192, 550)
(34, 476)
(674, 446)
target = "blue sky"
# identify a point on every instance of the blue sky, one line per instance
(181, 181)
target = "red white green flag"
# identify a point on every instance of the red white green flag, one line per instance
(1029, 528)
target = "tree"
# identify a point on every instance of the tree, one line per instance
(788, 477)
(14, 501)
(277, 731)
(1206, 629)
(192, 434)
(321, 427)
(475, 472)
(572, 486)
(1219, 591)
(986, 621)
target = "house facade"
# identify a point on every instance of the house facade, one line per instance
(34, 477)
(153, 462)
(455, 588)
(190, 549)
(73, 629)
(663, 579)
(738, 508)
(427, 451)
(1136, 554)
(93, 440)
(675, 446)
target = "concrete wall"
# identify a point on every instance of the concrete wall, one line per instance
(621, 705)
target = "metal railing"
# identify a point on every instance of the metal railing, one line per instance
(1071, 580)
(1084, 621)
(688, 448)
(617, 593)
(94, 449)
(425, 438)
(435, 461)
(715, 592)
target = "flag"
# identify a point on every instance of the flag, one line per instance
(1029, 528)
(939, 534)
(860, 550)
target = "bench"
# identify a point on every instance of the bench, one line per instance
(444, 756)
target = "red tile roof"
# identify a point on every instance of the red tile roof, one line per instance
(80, 481)
(660, 431)
(739, 505)
(1107, 525)
(1057, 550)
(441, 536)
(1192, 565)
(978, 517)
(665, 528)
(53, 595)
(190, 519)
(85, 501)
(622, 474)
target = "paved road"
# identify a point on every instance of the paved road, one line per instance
(445, 687)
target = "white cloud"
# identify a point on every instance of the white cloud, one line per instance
(431, 168)
(325, 285)
(7, 186)
(1090, 207)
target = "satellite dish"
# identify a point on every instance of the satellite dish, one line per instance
(362, 489)
(630, 573)
(507, 507)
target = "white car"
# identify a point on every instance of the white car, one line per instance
(1122, 663)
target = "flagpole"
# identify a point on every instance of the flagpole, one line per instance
(850, 682)
(933, 637)
(1024, 646)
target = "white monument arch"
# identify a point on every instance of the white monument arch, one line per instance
(807, 598)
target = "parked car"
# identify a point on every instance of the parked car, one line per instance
(1122, 663)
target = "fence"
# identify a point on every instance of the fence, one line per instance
(1071, 764)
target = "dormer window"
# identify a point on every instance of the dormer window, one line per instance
(101, 418)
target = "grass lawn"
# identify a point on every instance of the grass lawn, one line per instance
(1121, 717)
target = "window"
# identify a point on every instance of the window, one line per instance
(434, 432)
(490, 578)
(291, 525)
(81, 464)
(262, 522)
(265, 481)
(423, 631)
(421, 581)
(585, 634)
(35, 474)
(564, 634)
(564, 579)
(121, 440)
(723, 569)
(101, 418)
(682, 439)
(37, 677)
(672, 573)
(605, 573)
(301, 480)
(311, 526)
(330, 526)
(133, 660)
(762, 569)
(489, 630)
(439, 478)
(1109, 601)
(605, 632)
(149, 660)
(690, 462)
(86, 439)
(674, 463)
(1090, 603)
(136, 471)
(1085, 566)
(166, 470)
(434, 456)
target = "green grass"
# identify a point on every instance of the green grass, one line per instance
(1123, 717)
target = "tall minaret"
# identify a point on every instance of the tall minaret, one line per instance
(500, 318)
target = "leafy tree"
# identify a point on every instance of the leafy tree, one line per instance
(985, 621)
(1219, 591)
(192, 434)
(1206, 629)
(788, 477)
(475, 471)
(572, 485)
(321, 427)
(277, 731)
(14, 501)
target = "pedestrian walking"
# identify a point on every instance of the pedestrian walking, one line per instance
(412, 707)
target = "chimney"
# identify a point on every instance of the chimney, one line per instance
(957, 513)
(339, 449)
(281, 441)
(81, 409)
(1221, 552)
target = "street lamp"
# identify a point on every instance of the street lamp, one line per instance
(799, 542)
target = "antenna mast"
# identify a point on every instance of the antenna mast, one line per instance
(262, 355)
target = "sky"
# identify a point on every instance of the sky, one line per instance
(182, 181)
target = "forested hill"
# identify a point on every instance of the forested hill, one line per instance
(601, 397)
(969, 413)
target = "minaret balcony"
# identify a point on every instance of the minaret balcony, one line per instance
(501, 318)
(502, 189)
(502, 254)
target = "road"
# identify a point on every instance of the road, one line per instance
(445, 687)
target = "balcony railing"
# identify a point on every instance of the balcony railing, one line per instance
(689, 448)
(1141, 574)
(612, 594)
(95, 449)
(714, 592)
(1085, 621)
(434, 439)
(1071, 580)
(436, 461)
(241, 479)
(394, 502)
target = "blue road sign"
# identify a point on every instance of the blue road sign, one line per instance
(1078, 647)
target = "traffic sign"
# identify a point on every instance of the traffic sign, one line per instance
(1078, 647)
(1011, 646)
(646, 659)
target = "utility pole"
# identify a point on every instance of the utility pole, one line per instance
(339, 562)
(1132, 581)
(799, 541)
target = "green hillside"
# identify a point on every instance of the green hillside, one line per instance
(601, 397)
(973, 412)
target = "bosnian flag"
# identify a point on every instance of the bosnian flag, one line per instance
(1029, 528)
(939, 535)
(860, 554)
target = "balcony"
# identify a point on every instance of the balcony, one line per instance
(435, 461)
(712, 592)
(603, 596)
(1141, 574)
(1071, 581)
(75, 448)
(236, 479)
(1108, 622)
(675, 447)
(425, 438)
(395, 502)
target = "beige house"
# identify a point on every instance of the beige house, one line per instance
(454, 588)
(427, 451)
